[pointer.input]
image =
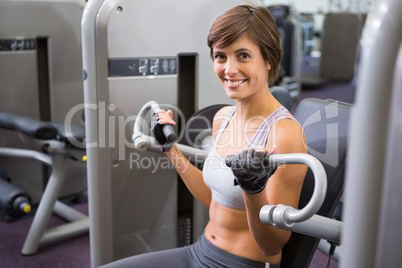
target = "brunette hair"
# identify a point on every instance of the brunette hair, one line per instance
(258, 24)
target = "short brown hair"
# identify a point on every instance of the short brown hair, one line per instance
(258, 24)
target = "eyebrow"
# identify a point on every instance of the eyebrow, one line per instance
(243, 50)
(236, 51)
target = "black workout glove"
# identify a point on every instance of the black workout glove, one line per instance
(252, 170)
(157, 132)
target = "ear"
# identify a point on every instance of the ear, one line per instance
(268, 66)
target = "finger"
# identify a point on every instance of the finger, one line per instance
(274, 149)
(259, 154)
(164, 121)
(243, 158)
(165, 118)
(259, 158)
(250, 155)
(236, 161)
(250, 159)
(165, 113)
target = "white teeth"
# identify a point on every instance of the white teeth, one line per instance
(234, 83)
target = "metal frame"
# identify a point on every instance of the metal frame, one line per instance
(103, 39)
(372, 201)
(38, 233)
(381, 42)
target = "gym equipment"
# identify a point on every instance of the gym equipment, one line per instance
(115, 88)
(308, 33)
(166, 130)
(14, 202)
(283, 96)
(326, 126)
(373, 173)
(288, 215)
(288, 23)
(337, 61)
(55, 143)
(41, 78)
(372, 202)
(169, 36)
(280, 215)
(250, 170)
(339, 43)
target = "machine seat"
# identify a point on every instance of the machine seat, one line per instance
(53, 139)
(29, 126)
(41, 130)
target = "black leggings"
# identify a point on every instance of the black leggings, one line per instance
(200, 254)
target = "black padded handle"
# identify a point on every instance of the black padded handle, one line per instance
(169, 133)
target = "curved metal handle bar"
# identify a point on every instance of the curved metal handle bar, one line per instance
(144, 142)
(281, 215)
(141, 114)
(141, 141)
(28, 154)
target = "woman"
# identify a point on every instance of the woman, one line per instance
(245, 48)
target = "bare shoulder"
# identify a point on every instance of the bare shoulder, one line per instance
(289, 137)
(218, 118)
(222, 112)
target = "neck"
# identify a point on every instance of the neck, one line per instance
(261, 104)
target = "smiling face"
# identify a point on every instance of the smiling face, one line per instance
(241, 68)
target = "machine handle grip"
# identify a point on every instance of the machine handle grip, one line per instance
(279, 215)
(144, 142)
(169, 133)
(289, 215)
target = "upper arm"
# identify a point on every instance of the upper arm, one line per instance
(284, 186)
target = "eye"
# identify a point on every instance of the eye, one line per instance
(219, 57)
(244, 56)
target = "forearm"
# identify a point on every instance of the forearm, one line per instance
(191, 176)
(269, 239)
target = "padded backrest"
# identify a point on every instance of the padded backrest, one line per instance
(200, 121)
(282, 95)
(325, 124)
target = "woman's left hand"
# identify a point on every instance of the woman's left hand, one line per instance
(252, 170)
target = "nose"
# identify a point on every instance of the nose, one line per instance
(231, 67)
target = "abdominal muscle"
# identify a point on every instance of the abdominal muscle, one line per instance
(228, 229)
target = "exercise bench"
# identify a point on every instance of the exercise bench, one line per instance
(53, 144)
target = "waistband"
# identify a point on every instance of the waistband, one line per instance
(216, 257)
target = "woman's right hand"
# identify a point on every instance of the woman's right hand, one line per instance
(165, 117)
(164, 135)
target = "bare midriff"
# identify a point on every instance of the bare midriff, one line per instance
(228, 229)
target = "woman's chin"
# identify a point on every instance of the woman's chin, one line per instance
(232, 94)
